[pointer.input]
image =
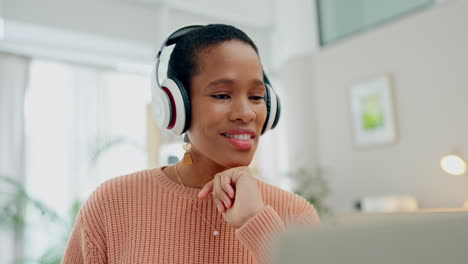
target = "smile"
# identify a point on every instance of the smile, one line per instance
(241, 136)
(239, 141)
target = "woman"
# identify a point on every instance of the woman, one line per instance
(209, 208)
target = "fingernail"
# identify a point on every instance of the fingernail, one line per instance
(219, 207)
(226, 202)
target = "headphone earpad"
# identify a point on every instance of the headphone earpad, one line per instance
(273, 108)
(180, 106)
(278, 110)
(268, 108)
(186, 105)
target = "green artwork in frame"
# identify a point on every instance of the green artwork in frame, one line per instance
(372, 112)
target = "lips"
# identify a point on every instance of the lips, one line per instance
(241, 139)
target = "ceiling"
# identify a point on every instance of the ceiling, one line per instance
(252, 13)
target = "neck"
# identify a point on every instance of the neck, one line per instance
(199, 173)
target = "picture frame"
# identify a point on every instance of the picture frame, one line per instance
(372, 111)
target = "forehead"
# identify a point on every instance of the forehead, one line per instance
(231, 57)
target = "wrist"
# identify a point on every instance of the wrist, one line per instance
(252, 214)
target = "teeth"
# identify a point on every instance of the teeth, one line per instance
(242, 137)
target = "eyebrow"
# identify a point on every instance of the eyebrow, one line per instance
(217, 82)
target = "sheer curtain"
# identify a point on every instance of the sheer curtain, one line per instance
(84, 125)
(13, 82)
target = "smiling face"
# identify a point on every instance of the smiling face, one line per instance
(228, 107)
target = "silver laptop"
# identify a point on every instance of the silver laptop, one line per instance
(396, 238)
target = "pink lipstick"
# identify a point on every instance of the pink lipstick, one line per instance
(240, 138)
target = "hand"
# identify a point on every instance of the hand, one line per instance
(236, 195)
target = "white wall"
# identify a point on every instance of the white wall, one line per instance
(427, 55)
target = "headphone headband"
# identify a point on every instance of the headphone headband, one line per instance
(172, 39)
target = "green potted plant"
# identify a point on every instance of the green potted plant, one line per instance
(311, 184)
(15, 200)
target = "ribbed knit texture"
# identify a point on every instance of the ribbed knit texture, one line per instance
(145, 217)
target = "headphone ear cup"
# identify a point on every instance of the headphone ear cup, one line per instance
(160, 104)
(271, 100)
(180, 106)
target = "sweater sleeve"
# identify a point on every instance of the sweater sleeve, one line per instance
(259, 232)
(87, 243)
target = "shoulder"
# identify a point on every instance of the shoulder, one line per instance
(120, 190)
(112, 203)
(287, 204)
(136, 181)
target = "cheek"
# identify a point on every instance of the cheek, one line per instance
(207, 117)
(261, 116)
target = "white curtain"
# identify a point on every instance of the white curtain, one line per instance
(83, 125)
(13, 83)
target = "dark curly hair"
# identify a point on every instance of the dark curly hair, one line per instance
(183, 63)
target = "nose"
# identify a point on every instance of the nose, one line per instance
(242, 109)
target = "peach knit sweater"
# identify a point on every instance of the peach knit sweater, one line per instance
(145, 217)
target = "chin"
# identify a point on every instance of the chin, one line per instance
(233, 165)
(236, 163)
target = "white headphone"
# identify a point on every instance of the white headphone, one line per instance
(171, 103)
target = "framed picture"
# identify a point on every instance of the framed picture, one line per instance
(372, 112)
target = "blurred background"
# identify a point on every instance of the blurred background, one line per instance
(373, 92)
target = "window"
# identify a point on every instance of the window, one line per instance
(84, 125)
(338, 19)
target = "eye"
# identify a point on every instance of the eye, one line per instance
(221, 96)
(256, 98)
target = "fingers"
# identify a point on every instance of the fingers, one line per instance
(219, 195)
(219, 205)
(221, 190)
(226, 185)
(206, 190)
